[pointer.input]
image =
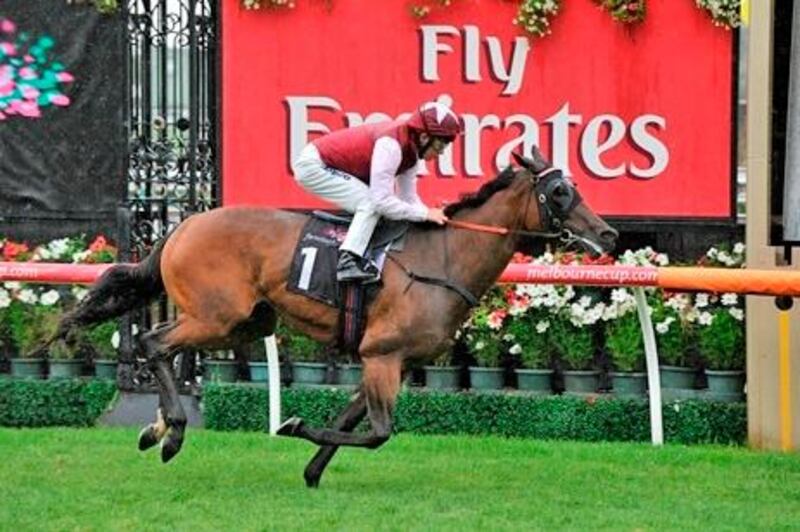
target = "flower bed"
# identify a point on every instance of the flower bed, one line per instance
(29, 313)
(596, 330)
(564, 331)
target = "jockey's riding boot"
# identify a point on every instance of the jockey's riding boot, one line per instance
(351, 268)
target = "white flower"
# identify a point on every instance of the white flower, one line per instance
(620, 295)
(5, 299)
(57, 248)
(13, 285)
(712, 253)
(542, 326)
(662, 327)
(479, 345)
(50, 297)
(41, 253)
(585, 301)
(80, 256)
(705, 318)
(739, 248)
(79, 292)
(515, 349)
(115, 340)
(28, 296)
(737, 313)
(729, 299)
(701, 301)
(662, 259)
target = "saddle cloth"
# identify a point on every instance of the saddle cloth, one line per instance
(313, 271)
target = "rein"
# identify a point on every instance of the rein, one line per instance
(493, 229)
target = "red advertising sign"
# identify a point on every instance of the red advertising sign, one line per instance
(639, 116)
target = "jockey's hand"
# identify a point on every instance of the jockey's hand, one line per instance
(436, 216)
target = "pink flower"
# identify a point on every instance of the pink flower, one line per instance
(66, 77)
(8, 48)
(27, 73)
(30, 93)
(496, 318)
(7, 26)
(60, 99)
(7, 87)
(28, 109)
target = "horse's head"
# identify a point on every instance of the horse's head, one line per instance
(561, 209)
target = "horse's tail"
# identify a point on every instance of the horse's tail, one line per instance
(121, 288)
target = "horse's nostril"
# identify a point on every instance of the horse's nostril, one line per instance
(609, 238)
(609, 235)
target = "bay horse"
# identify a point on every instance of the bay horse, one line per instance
(226, 271)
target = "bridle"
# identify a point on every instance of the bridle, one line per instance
(553, 210)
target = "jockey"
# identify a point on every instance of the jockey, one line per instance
(371, 171)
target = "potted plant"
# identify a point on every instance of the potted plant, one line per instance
(7, 350)
(64, 361)
(575, 347)
(103, 339)
(219, 366)
(441, 374)
(31, 324)
(349, 373)
(625, 346)
(307, 355)
(673, 338)
(531, 348)
(484, 340)
(722, 349)
(257, 363)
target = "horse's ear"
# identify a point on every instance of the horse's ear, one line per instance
(536, 164)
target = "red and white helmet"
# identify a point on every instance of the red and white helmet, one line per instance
(435, 119)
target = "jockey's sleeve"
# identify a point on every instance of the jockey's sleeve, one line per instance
(386, 158)
(407, 186)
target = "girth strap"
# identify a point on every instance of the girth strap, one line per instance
(471, 300)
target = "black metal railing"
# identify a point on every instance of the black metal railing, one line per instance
(172, 123)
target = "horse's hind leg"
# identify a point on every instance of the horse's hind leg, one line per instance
(347, 421)
(171, 418)
(381, 382)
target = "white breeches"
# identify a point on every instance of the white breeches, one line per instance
(342, 189)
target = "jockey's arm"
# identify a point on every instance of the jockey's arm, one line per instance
(386, 158)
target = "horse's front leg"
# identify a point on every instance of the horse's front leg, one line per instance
(381, 383)
(347, 421)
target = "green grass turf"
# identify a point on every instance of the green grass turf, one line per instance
(95, 479)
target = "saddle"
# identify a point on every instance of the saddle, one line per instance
(313, 270)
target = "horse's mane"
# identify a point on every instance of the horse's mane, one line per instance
(476, 199)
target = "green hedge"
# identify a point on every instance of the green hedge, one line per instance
(235, 407)
(43, 403)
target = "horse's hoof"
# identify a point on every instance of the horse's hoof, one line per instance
(169, 448)
(290, 426)
(311, 481)
(147, 438)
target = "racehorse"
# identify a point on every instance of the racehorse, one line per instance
(226, 271)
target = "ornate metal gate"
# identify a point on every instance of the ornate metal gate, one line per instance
(172, 124)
